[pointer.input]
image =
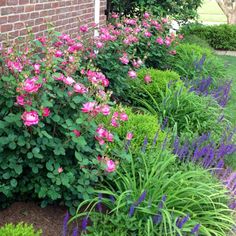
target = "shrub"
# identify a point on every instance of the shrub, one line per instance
(154, 196)
(193, 62)
(126, 45)
(182, 10)
(49, 141)
(141, 125)
(19, 230)
(185, 111)
(154, 81)
(194, 39)
(221, 37)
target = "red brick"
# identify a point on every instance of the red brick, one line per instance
(29, 23)
(12, 2)
(38, 7)
(29, 8)
(19, 25)
(3, 3)
(13, 34)
(34, 15)
(3, 20)
(24, 17)
(23, 2)
(13, 18)
(23, 32)
(6, 28)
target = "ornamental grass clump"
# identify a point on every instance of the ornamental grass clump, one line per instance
(152, 195)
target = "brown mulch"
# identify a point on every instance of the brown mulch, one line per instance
(49, 219)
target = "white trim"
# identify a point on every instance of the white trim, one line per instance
(96, 15)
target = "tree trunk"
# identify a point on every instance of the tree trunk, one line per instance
(231, 18)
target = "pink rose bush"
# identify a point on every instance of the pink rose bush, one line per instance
(55, 88)
(128, 45)
(52, 96)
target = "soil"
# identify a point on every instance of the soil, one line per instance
(49, 219)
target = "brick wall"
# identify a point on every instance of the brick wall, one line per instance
(65, 15)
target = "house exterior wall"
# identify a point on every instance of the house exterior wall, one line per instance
(66, 16)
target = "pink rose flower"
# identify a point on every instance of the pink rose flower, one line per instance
(58, 53)
(147, 79)
(37, 68)
(167, 42)
(60, 170)
(105, 110)
(77, 132)
(68, 80)
(110, 166)
(129, 136)
(99, 45)
(46, 112)
(123, 116)
(147, 34)
(88, 107)
(164, 20)
(30, 118)
(114, 122)
(132, 74)
(31, 86)
(160, 41)
(80, 88)
(146, 15)
(124, 60)
(181, 36)
(83, 28)
(20, 100)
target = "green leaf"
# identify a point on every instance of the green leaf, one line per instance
(49, 165)
(18, 169)
(13, 183)
(45, 133)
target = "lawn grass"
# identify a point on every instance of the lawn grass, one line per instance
(230, 110)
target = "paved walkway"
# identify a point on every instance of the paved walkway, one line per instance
(226, 53)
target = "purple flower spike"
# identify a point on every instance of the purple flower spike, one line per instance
(180, 222)
(157, 219)
(145, 142)
(131, 210)
(99, 204)
(66, 219)
(75, 232)
(141, 198)
(195, 229)
(84, 223)
(155, 139)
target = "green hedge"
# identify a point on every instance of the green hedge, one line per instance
(218, 36)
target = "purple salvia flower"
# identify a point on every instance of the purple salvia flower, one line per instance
(180, 222)
(141, 198)
(131, 210)
(161, 204)
(157, 219)
(176, 146)
(127, 145)
(195, 229)
(164, 123)
(111, 197)
(84, 223)
(65, 222)
(145, 142)
(75, 232)
(155, 139)
(99, 204)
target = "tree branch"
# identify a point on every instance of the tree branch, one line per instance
(224, 7)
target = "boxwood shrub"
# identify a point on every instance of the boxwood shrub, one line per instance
(221, 37)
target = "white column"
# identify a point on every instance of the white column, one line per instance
(96, 15)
